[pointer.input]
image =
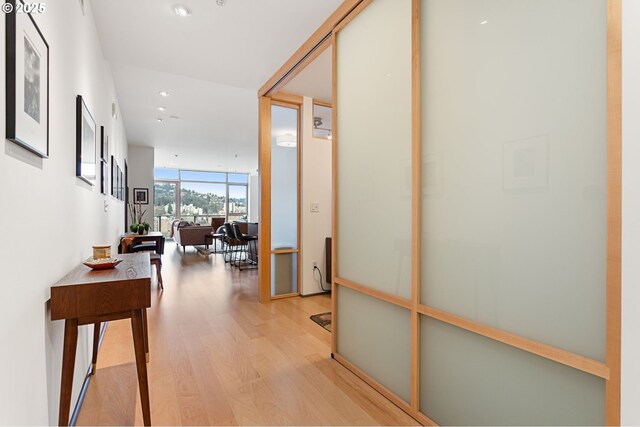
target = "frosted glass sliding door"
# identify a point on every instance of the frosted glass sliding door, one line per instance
(284, 200)
(472, 380)
(375, 336)
(374, 148)
(514, 206)
(514, 139)
(477, 208)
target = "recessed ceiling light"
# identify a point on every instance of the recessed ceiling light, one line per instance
(182, 10)
(159, 120)
(483, 22)
(221, 2)
(162, 108)
(164, 93)
(174, 117)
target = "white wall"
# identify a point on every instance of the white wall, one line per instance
(316, 188)
(630, 399)
(51, 218)
(140, 163)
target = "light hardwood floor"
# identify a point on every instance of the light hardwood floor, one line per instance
(218, 357)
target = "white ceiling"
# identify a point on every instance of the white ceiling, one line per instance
(315, 79)
(212, 62)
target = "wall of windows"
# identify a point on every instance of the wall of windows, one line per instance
(198, 196)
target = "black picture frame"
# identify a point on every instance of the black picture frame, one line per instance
(27, 83)
(113, 176)
(117, 181)
(86, 137)
(104, 144)
(121, 184)
(104, 177)
(141, 196)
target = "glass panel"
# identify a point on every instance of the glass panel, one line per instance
(467, 379)
(199, 202)
(374, 147)
(322, 118)
(162, 173)
(284, 274)
(164, 195)
(514, 145)
(376, 337)
(239, 178)
(237, 203)
(203, 176)
(284, 177)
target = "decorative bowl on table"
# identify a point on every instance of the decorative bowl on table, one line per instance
(102, 263)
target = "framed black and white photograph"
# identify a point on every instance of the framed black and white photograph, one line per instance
(27, 79)
(141, 195)
(104, 144)
(121, 184)
(86, 137)
(104, 177)
(117, 181)
(113, 176)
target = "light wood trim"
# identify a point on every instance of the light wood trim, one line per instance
(264, 231)
(567, 358)
(284, 251)
(383, 296)
(395, 399)
(322, 103)
(416, 203)
(289, 295)
(614, 208)
(299, 189)
(266, 286)
(334, 185)
(298, 58)
(356, 11)
(301, 66)
(284, 99)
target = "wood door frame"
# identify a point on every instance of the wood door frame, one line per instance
(264, 168)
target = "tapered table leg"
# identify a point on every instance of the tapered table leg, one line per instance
(146, 334)
(96, 341)
(68, 365)
(137, 327)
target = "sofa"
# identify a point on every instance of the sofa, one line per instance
(187, 234)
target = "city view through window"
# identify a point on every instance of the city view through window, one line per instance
(198, 196)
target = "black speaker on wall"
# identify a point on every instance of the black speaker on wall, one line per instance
(327, 251)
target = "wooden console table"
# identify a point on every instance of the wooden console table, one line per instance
(86, 297)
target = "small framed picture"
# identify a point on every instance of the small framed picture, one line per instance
(117, 181)
(27, 79)
(86, 164)
(104, 177)
(113, 176)
(120, 184)
(104, 145)
(141, 195)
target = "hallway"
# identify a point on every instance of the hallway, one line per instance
(218, 357)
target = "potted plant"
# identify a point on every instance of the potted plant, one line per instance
(137, 224)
